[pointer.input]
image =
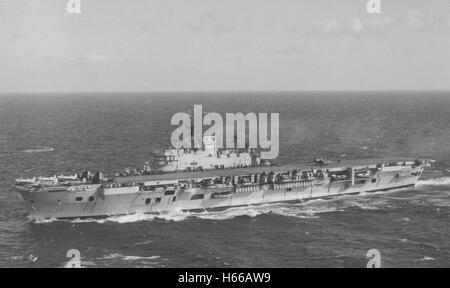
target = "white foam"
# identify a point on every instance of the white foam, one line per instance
(38, 150)
(362, 206)
(366, 204)
(32, 258)
(134, 258)
(129, 258)
(249, 211)
(39, 220)
(138, 217)
(305, 212)
(142, 243)
(426, 258)
(117, 219)
(443, 181)
(130, 218)
(439, 201)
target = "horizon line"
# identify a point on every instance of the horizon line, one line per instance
(223, 91)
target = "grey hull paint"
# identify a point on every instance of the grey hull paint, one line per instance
(64, 205)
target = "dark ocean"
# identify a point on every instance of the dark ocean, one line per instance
(63, 133)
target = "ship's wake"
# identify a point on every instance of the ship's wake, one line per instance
(292, 210)
(434, 182)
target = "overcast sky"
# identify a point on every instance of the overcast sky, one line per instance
(178, 45)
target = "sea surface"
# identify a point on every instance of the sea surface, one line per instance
(47, 134)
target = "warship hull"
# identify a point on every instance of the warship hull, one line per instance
(98, 201)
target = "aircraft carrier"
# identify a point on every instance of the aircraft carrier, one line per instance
(209, 179)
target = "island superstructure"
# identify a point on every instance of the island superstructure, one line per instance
(209, 179)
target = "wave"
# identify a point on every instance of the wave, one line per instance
(39, 220)
(146, 260)
(138, 217)
(174, 216)
(443, 181)
(439, 201)
(372, 205)
(307, 210)
(302, 211)
(426, 258)
(142, 243)
(129, 258)
(38, 150)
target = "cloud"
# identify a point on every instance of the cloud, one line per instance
(417, 19)
(370, 25)
(209, 23)
(90, 59)
(326, 26)
(96, 57)
(422, 22)
(379, 23)
(346, 27)
(357, 26)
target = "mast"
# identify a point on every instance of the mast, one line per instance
(109, 170)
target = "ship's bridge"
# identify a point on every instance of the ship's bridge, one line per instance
(206, 158)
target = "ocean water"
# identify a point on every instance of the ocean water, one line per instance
(62, 133)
